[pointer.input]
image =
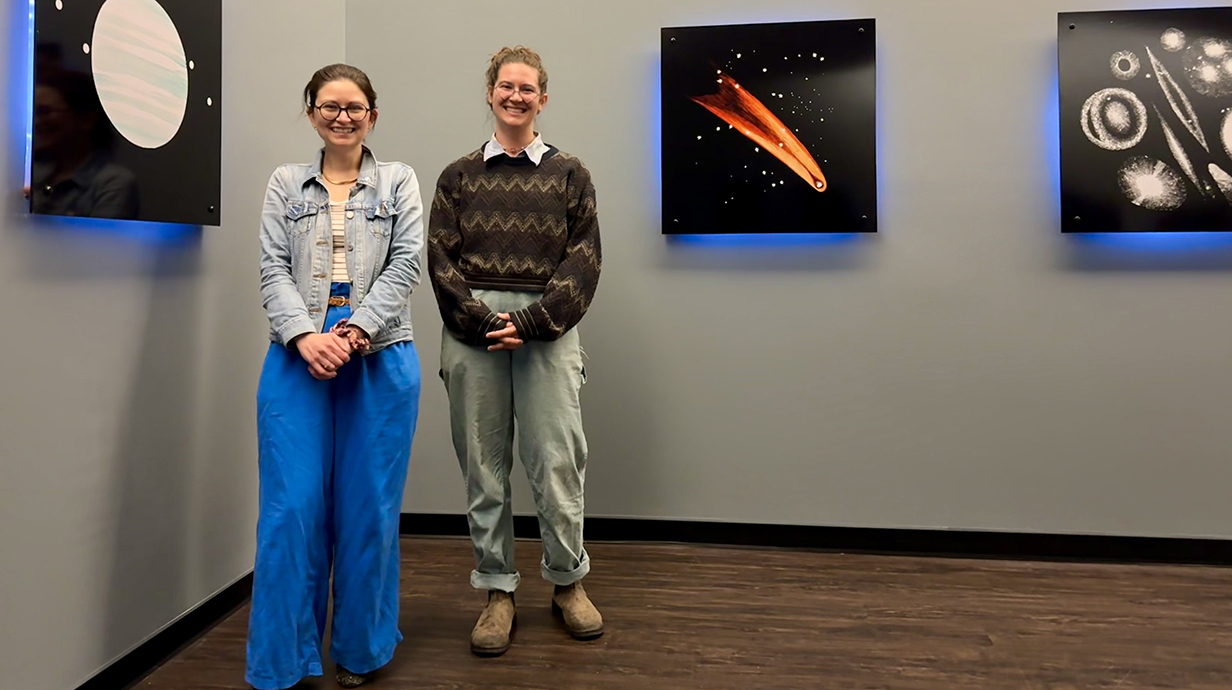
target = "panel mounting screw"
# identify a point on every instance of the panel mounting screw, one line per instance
(1072, 27)
(672, 39)
(211, 209)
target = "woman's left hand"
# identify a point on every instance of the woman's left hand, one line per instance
(507, 338)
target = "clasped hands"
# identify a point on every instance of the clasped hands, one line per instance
(507, 337)
(325, 353)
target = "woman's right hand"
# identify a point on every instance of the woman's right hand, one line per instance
(324, 353)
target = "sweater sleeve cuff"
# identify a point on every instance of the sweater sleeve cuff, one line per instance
(490, 323)
(525, 324)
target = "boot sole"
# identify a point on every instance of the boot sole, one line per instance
(490, 652)
(576, 634)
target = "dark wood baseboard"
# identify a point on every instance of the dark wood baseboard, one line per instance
(126, 671)
(945, 543)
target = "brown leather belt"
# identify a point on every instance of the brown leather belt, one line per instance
(339, 301)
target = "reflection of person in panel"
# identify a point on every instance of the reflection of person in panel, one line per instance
(514, 258)
(341, 239)
(72, 172)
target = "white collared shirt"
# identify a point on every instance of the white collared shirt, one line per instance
(534, 151)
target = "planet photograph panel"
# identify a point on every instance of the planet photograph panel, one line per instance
(126, 123)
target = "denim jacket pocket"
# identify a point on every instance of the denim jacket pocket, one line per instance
(301, 215)
(380, 218)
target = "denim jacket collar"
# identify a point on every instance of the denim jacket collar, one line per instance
(367, 169)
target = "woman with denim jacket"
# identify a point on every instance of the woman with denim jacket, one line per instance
(338, 397)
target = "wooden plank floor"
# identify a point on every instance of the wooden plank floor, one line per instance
(725, 618)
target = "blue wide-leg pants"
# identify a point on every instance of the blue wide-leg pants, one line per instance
(333, 461)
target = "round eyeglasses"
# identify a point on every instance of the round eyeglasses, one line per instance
(331, 111)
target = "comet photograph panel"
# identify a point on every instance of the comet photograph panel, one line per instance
(769, 128)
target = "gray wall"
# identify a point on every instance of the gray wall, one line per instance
(127, 401)
(967, 368)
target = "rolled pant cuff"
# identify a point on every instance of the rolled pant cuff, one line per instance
(503, 582)
(565, 579)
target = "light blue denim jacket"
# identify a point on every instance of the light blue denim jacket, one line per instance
(384, 236)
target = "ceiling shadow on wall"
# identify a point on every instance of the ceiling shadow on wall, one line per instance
(1154, 252)
(768, 253)
(75, 249)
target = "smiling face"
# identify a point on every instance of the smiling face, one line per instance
(353, 119)
(516, 97)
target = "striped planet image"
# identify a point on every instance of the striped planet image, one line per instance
(140, 71)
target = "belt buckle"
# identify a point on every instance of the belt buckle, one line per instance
(339, 301)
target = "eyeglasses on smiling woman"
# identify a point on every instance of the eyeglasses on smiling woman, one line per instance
(331, 111)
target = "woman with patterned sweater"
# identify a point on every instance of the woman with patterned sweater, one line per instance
(513, 251)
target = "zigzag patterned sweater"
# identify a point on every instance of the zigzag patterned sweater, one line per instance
(507, 224)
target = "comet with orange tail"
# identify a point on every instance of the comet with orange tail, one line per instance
(741, 109)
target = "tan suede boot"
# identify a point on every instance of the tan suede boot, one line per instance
(491, 634)
(582, 619)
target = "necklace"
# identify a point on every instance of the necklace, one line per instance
(339, 184)
(515, 151)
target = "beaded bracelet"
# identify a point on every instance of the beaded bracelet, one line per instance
(359, 343)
